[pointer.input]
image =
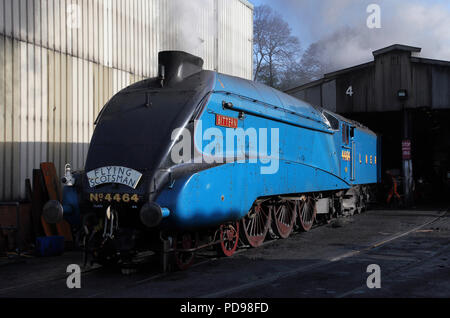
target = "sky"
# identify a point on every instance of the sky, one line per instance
(341, 26)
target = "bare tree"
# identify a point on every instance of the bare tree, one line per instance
(275, 48)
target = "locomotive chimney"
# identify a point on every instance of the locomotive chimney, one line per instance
(174, 66)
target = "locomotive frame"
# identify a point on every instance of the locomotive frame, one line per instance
(325, 166)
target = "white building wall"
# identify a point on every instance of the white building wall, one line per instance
(62, 60)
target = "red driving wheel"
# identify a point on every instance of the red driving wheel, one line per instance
(229, 238)
(307, 213)
(186, 241)
(256, 225)
(284, 215)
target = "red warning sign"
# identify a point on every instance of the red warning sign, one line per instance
(406, 149)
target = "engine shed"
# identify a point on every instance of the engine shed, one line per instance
(61, 61)
(404, 98)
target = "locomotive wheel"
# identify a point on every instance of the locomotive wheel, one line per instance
(229, 238)
(185, 241)
(361, 204)
(284, 218)
(307, 214)
(256, 225)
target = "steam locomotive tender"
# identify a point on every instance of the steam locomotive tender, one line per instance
(285, 165)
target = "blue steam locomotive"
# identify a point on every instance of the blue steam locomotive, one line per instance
(195, 158)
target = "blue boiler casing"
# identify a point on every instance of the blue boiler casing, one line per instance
(318, 151)
(191, 151)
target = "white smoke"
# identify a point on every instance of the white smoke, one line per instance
(344, 40)
(191, 25)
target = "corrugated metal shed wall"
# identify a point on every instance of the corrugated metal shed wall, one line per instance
(61, 60)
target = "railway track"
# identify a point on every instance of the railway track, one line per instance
(147, 280)
(278, 276)
(283, 275)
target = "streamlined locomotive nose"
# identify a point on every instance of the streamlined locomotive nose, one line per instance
(151, 214)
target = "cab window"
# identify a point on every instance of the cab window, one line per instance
(333, 121)
(345, 134)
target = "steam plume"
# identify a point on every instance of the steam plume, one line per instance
(343, 38)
